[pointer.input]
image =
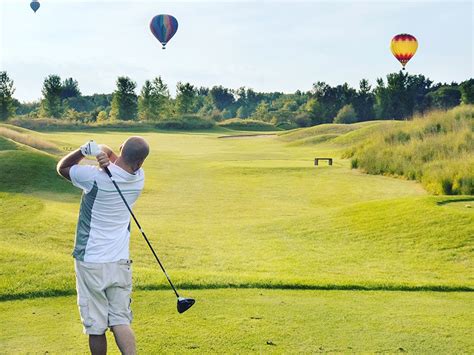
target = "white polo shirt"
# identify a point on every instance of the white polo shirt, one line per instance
(103, 228)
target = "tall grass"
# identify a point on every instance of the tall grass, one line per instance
(29, 140)
(436, 149)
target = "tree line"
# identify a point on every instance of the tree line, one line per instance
(398, 96)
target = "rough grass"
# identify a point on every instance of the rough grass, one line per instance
(436, 149)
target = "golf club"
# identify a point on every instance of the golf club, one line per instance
(183, 303)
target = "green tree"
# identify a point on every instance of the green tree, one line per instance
(51, 104)
(331, 99)
(242, 112)
(248, 99)
(26, 108)
(185, 97)
(346, 114)
(145, 102)
(124, 102)
(262, 111)
(221, 97)
(7, 107)
(89, 103)
(403, 95)
(467, 91)
(282, 116)
(227, 114)
(102, 116)
(364, 101)
(153, 100)
(70, 88)
(315, 111)
(302, 119)
(161, 98)
(445, 97)
(73, 115)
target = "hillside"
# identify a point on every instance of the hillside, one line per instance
(436, 149)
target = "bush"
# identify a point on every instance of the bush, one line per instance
(247, 125)
(186, 122)
(102, 116)
(346, 114)
(216, 115)
(303, 120)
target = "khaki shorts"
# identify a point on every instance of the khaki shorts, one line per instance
(103, 294)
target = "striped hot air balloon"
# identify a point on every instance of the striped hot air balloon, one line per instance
(403, 47)
(163, 28)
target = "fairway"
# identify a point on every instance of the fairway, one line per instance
(260, 321)
(273, 249)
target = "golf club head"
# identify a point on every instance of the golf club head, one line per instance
(184, 304)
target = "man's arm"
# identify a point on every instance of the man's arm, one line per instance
(109, 152)
(67, 162)
(104, 158)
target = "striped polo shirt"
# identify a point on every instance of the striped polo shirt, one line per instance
(103, 228)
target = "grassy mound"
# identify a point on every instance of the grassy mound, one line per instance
(7, 144)
(247, 125)
(336, 133)
(29, 171)
(436, 149)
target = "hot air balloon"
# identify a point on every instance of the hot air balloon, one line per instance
(404, 47)
(35, 5)
(163, 28)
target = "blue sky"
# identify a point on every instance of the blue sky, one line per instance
(266, 45)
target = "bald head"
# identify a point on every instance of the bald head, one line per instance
(134, 151)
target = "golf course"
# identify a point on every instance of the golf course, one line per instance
(282, 256)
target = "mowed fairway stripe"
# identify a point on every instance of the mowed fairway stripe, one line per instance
(258, 321)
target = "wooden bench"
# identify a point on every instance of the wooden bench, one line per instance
(316, 160)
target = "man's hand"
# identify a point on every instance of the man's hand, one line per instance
(103, 159)
(110, 153)
(90, 148)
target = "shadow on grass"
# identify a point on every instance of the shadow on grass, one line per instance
(191, 286)
(454, 200)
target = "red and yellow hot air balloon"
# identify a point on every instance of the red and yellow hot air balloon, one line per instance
(403, 47)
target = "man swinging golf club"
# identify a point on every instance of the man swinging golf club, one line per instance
(101, 252)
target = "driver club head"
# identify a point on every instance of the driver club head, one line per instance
(184, 304)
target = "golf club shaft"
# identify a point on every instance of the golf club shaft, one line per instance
(141, 230)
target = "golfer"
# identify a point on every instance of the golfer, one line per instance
(101, 251)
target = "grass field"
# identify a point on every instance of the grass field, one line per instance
(251, 229)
